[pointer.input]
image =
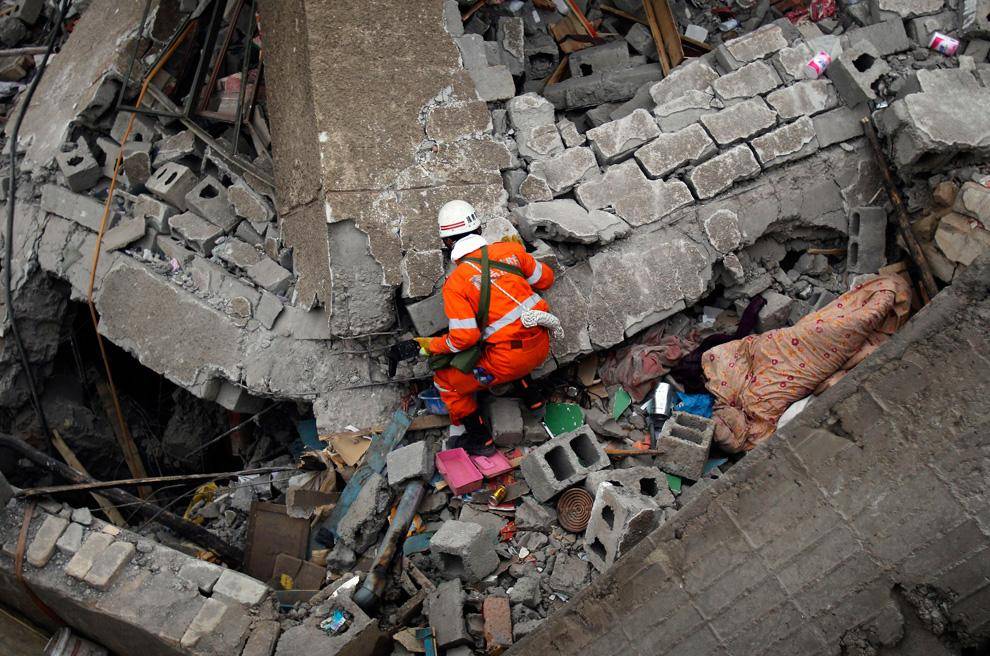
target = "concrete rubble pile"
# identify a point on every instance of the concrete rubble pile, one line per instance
(664, 203)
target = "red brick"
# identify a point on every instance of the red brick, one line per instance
(498, 624)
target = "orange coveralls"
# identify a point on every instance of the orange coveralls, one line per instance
(510, 349)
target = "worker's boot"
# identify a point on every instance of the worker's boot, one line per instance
(531, 395)
(477, 437)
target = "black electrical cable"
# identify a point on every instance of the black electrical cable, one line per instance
(11, 201)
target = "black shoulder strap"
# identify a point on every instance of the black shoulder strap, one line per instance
(486, 290)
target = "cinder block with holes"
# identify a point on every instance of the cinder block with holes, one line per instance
(80, 168)
(143, 130)
(463, 550)
(867, 248)
(648, 481)
(620, 518)
(684, 441)
(209, 199)
(856, 73)
(562, 462)
(171, 183)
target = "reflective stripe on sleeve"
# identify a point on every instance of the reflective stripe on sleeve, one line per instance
(536, 275)
(462, 323)
(453, 349)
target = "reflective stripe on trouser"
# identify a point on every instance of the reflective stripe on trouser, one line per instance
(457, 389)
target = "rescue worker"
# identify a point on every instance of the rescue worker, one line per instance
(510, 350)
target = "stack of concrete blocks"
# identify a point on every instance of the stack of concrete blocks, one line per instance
(685, 440)
(127, 592)
(620, 518)
(867, 239)
(463, 550)
(562, 462)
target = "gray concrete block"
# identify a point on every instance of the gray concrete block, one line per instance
(71, 540)
(620, 518)
(539, 142)
(616, 140)
(240, 588)
(364, 520)
(641, 100)
(563, 171)
(137, 164)
(722, 171)
(493, 83)
(867, 246)
(445, 610)
(670, 151)
(472, 48)
(804, 99)
(462, 550)
(144, 129)
(201, 574)
(175, 147)
(565, 220)
(78, 165)
(108, 565)
(614, 86)
(28, 11)
(408, 462)
(534, 188)
(597, 59)
(740, 121)
(920, 29)
(776, 313)
(640, 39)
(695, 75)
(758, 44)
(154, 212)
(973, 200)
(838, 125)
(634, 197)
(650, 482)
(250, 205)
(505, 417)
(685, 110)
(528, 111)
(793, 141)
(43, 543)
(268, 275)
(856, 71)
(888, 37)
(204, 623)
(883, 10)
(562, 462)
(93, 545)
(236, 253)
(752, 79)
(265, 633)
(685, 440)
(428, 317)
(512, 43)
(791, 63)
(195, 231)
(171, 182)
(84, 210)
(569, 133)
(124, 233)
(209, 200)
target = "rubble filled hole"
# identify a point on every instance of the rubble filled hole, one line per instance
(75, 160)
(854, 223)
(692, 421)
(585, 451)
(648, 487)
(685, 434)
(209, 191)
(608, 515)
(586, 70)
(598, 548)
(452, 564)
(559, 463)
(864, 62)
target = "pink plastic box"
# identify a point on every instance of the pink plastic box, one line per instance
(457, 469)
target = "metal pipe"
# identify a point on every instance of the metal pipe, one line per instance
(370, 593)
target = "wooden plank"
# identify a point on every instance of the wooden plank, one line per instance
(589, 29)
(668, 28)
(422, 422)
(71, 460)
(558, 73)
(622, 14)
(127, 446)
(466, 16)
(127, 482)
(657, 37)
(694, 43)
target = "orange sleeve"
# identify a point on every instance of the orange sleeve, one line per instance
(539, 276)
(462, 330)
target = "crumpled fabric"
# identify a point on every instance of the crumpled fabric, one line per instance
(755, 379)
(638, 367)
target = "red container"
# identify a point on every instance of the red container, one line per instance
(460, 473)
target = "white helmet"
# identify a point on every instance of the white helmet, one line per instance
(457, 217)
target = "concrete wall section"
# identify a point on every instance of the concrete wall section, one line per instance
(862, 527)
